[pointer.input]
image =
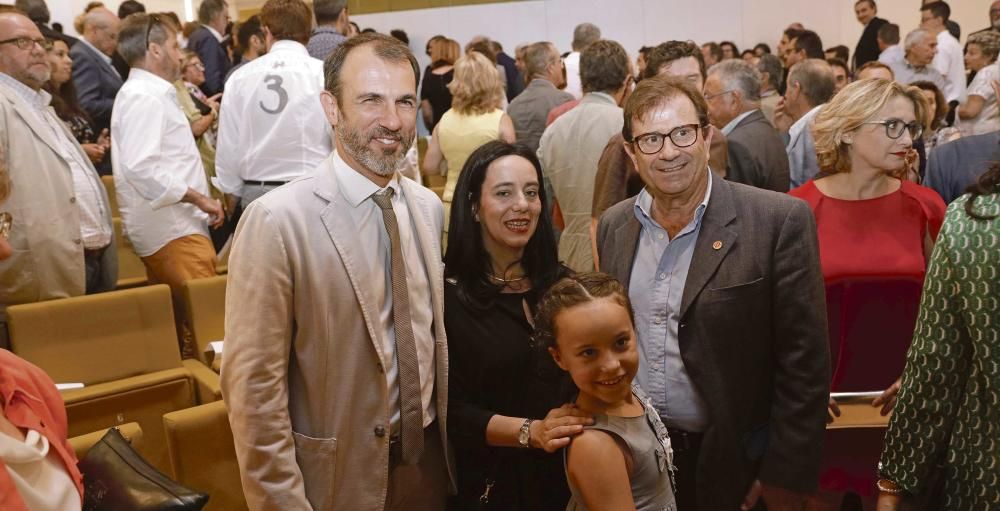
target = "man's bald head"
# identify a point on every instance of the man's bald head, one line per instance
(28, 65)
(100, 28)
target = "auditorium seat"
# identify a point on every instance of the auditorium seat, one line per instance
(202, 456)
(81, 444)
(131, 271)
(205, 300)
(123, 346)
(109, 185)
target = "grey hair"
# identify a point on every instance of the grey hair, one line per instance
(209, 9)
(914, 38)
(815, 77)
(327, 11)
(36, 10)
(988, 41)
(584, 35)
(771, 65)
(738, 75)
(537, 58)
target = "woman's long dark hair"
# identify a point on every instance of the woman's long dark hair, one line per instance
(65, 101)
(987, 184)
(466, 259)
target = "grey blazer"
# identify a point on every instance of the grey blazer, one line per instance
(757, 155)
(48, 261)
(952, 167)
(752, 335)
(96, 83)
(302, 377)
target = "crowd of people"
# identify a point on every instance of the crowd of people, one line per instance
(630, 293)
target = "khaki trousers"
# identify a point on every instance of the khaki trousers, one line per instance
(183, 259)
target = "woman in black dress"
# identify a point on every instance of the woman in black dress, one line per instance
(435, 98)
(507, 410)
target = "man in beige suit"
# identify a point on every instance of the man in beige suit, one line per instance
(63, 242)
(335, 371)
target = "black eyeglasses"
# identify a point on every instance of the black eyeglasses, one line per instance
(154, 19)
(681, 136)
(27, 43)
(894, 128)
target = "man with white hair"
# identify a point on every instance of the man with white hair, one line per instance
(95, 77)
(583, 35)
(756, 155)
(919, 49)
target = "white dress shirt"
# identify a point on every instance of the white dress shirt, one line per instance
(950, 62)
(573, 85)
(988, 119)
(271, 123)
(155, 161)
(375, 268)
(95, 232)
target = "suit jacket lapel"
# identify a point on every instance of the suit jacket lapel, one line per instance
(344, 239)
(714, 230)
(39, 126)
(626, 236)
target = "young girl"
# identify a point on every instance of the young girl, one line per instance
(624, 460)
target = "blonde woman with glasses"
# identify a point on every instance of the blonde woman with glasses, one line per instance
(876, 230)
(474, 119)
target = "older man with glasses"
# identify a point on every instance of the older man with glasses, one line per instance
(63, 245)
(728, 299)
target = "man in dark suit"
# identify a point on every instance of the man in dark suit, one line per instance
(730, 312)
(207, 41)
(867, 49)
(952, 167)
(96, 79)
(757, 156)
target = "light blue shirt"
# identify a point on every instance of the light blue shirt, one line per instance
(656, 287)
(801, 149)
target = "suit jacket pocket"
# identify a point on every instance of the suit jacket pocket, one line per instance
(317, 459)
(733, 291)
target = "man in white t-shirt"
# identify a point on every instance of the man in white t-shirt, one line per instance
(949, 60)
(583, 35)
(271, 123)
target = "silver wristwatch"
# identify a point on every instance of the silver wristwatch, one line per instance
(524, 436)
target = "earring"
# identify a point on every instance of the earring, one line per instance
(475, 216)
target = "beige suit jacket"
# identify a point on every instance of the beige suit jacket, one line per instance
(301, 375)
(47, 260)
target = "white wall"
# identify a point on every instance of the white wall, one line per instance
(635, 23)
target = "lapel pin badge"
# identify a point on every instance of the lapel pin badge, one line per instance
(717, 245)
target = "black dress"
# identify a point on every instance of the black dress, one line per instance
(494, 370)
(435, 90)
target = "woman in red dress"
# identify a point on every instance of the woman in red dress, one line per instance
(875, 235)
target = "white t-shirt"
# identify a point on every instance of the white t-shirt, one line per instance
(271, 122)
(987, 120)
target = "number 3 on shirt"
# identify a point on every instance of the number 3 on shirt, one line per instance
(274, 83)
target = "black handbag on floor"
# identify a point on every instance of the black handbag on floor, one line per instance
(117, 478)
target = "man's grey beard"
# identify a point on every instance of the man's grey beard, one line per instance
(356, 144)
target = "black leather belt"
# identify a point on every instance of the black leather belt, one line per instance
(683, 441)
(266, 183)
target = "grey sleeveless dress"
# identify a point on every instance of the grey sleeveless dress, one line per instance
(652, 457)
